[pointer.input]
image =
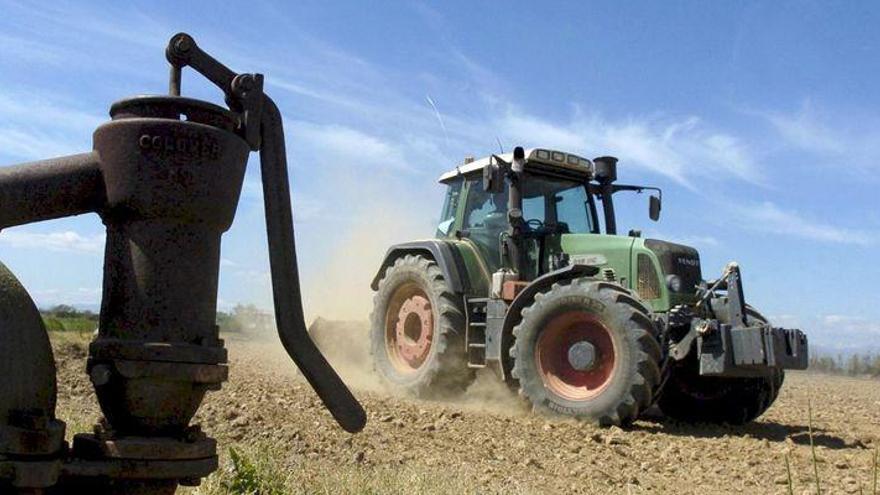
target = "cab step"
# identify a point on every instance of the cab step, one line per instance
(476, 332)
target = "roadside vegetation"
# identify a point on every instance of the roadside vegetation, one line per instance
(246, 320)
(262, 470)
(243, 320)
(862, 365)
(64, 318)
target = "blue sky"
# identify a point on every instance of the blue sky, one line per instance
(757, 119)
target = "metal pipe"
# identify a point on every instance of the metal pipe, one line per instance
(514, 212)
(608, 208)
(174, 80)
(48, 189)
(285, 278)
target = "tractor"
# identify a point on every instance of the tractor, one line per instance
(522, 278)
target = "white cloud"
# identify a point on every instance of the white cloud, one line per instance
(682, 149)
(341, 145)
(333, 98)
(841, 140)
(847, 323)
(38, 126)
(46, 109)
(30, 51)
(32, 144)
(306, 208)
(803, 130)
(834, 332)
(67, 241)
(687, 240)
(80, 296)
(770, 218)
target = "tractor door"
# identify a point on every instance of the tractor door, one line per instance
(485, 219)
(449, 215)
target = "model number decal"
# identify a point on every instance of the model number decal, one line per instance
(589, 259)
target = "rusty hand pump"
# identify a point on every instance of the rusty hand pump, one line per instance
(165, 176)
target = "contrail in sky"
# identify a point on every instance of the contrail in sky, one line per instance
(439, 119)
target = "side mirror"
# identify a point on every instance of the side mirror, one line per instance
(493, 178)
(654, 208)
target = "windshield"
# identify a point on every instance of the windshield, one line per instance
(549, 200)
(546, 201)
(560, 204)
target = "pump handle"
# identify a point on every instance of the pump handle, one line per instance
(263, 129)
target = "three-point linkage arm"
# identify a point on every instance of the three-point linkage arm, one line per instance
(261, 126)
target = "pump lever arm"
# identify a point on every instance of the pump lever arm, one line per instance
(263, 130)
(183, 51)
(244, 92)
(285, 278)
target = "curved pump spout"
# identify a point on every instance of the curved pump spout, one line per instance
(262, 128)
(285, 279)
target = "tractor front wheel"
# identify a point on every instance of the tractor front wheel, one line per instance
(417, 334)
(587, 349)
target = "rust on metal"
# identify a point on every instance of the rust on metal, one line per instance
(511, 288)
(165, 176)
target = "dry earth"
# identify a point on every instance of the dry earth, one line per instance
(488, 442)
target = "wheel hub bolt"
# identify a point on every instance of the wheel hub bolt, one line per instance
(582, 356)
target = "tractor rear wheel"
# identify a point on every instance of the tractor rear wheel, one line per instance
(587, 349)
(692, 398)
(417, 330)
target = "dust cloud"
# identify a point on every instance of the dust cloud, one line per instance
(338, 299)
(340, 290)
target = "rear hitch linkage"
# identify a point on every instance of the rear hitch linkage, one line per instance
(165, 176)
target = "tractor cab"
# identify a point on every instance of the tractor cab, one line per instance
(560, 195)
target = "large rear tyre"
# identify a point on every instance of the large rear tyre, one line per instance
(692, 398)
(417, 330)
(589, 350)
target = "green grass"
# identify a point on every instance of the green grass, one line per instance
(261, 470)
(69, 324)
(252, 475)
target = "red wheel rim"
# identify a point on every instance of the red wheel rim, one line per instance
(409, 328)
(552, 356)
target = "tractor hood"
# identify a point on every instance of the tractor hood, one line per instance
(676, 259)
(608, 252)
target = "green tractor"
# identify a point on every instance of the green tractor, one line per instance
(582, 321)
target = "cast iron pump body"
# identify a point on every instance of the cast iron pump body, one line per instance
(165, 176)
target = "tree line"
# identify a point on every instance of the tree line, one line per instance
(244, 319)
(867, 364)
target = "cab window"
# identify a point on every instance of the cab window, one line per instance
(450, 206)
(485, 219)
(483, 206)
